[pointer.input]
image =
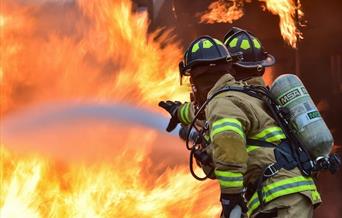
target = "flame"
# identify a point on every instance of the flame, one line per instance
(33, 186)
(269, 76)
(104, 48)
(98, 51)
(222, 11)
(128, 185)
(286, 10)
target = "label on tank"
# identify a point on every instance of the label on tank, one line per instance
(307, 118)
(292, 94)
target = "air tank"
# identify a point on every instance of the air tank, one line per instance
(310, 128)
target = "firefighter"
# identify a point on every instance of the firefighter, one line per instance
(235, 119)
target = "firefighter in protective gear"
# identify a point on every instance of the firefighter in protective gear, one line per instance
(234, 118)
(285, 194)
(205, 61)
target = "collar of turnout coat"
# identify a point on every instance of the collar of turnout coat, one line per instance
(228, 79)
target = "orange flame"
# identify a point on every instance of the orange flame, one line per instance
(97, 50)
(222, 11)
(268, 76)
(102, 52)
(286, 10)
(36, 186)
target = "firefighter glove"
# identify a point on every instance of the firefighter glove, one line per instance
(229, 202)
(171, 107)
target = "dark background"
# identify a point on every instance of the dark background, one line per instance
(319, 59)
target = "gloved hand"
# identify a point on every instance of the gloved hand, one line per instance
(171, 107)
(229, 202)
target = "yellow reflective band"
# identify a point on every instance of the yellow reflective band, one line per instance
(276, 138)
(281, 188)
(184, 113)
(187, 112)
(227, 124)
(251, 148)
(231, 184)
(270, 134)
(229, 179)
(232, 43)
(230, 120)
(290, 189)
(315, 196)
(253, 204)
(287, 181)
(245, 44)
(195, 47)
(256, 43)
(207, 44)
(227, 174)
(266, 131)
(181, 111)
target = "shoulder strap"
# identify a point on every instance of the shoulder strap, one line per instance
(260, 143)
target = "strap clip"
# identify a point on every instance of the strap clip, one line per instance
(271, 170)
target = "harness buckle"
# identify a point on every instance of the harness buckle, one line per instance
(271, 170)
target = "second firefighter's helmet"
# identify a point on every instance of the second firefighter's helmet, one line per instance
(253, 54)
(204, 50)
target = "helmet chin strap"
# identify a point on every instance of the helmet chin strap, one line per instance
(246, 73)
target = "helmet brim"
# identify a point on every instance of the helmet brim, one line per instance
(199, 62)
(269, 61)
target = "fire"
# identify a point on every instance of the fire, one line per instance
(222, 11)
(268, 76)
(98, 51)
(286, 10)
(33, 186)
(124, 181)
(228, 11)
(102, 47)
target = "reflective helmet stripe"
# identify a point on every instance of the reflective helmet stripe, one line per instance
(256, 43)
(203, 50)
(233, 43)
(195, 48)
(239, 41)
(207, 44)
(245, 44)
